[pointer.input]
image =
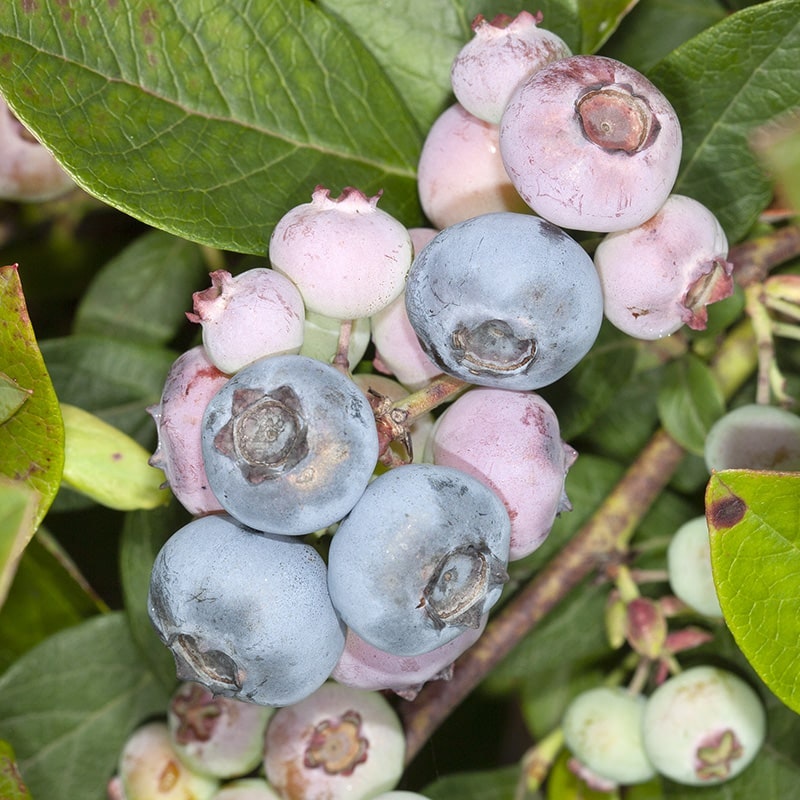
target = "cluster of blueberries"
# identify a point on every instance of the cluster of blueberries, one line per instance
(310, 560)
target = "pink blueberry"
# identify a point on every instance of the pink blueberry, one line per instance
(363, 666)
(460, 172)
(28, 170)
(510, 441)
(662, 274)
(348, 258)
(255, 314)
(503, 52)
(191, 382)
(591, 144)
(397, 349)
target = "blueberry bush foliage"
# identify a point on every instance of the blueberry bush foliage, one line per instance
(190, 127)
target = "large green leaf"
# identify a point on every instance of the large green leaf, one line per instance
(47, 594)
(68, 705)
(754, 525)
(724, 83)
(690, 401)
(142, 293)
(656, 27)
(415, 41)
(113, 378)
(209, 120)
(32, 440)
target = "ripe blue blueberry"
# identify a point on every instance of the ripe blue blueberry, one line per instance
(504, 300)
(289, 444)
(245, 614)
(420, 558)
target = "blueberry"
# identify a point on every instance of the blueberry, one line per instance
(504, 52)
(215, 735)
(191, 382)
(289, 444)
(338, 742)
(150, 769)
(703, 726)
(255, 314)
(754, 436)
(602, 729)
(420, 558)
(245, 614)
(504, 300)
(689, 567)
(591, 144)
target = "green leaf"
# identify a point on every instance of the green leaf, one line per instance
(416, 41)
(18, 504)
(690, 401)
(143, 534)
(208, 120)
(12, 396)
(724, 83)
(12, 787)
(588, 390)
(496, 784)
(68, 705)
(107, 465)
(32, 441)
(654, 28)
(754, 525)
(141, 295)
(47, 594)
(112, 378)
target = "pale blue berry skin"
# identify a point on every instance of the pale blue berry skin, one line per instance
(324, 466)
(505, 300)
(419, 559)
(245, 614)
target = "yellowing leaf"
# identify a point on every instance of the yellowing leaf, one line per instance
(107, 465)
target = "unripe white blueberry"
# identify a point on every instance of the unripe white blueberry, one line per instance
(191, 382)
(754, 436)
(348, 258)
(215, 735)
(689, 567)
(510, 441)
(255, 314)
(321, 338)
(602, 728)
(150, 769)
(662, 274)
(502, 54)
(591, 144)
(247, 789)
(339, 742)
(703, 726)
(460, 173)
(28, 170)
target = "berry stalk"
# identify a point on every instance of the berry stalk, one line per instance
(608, 531)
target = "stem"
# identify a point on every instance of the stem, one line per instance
(609, 530)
